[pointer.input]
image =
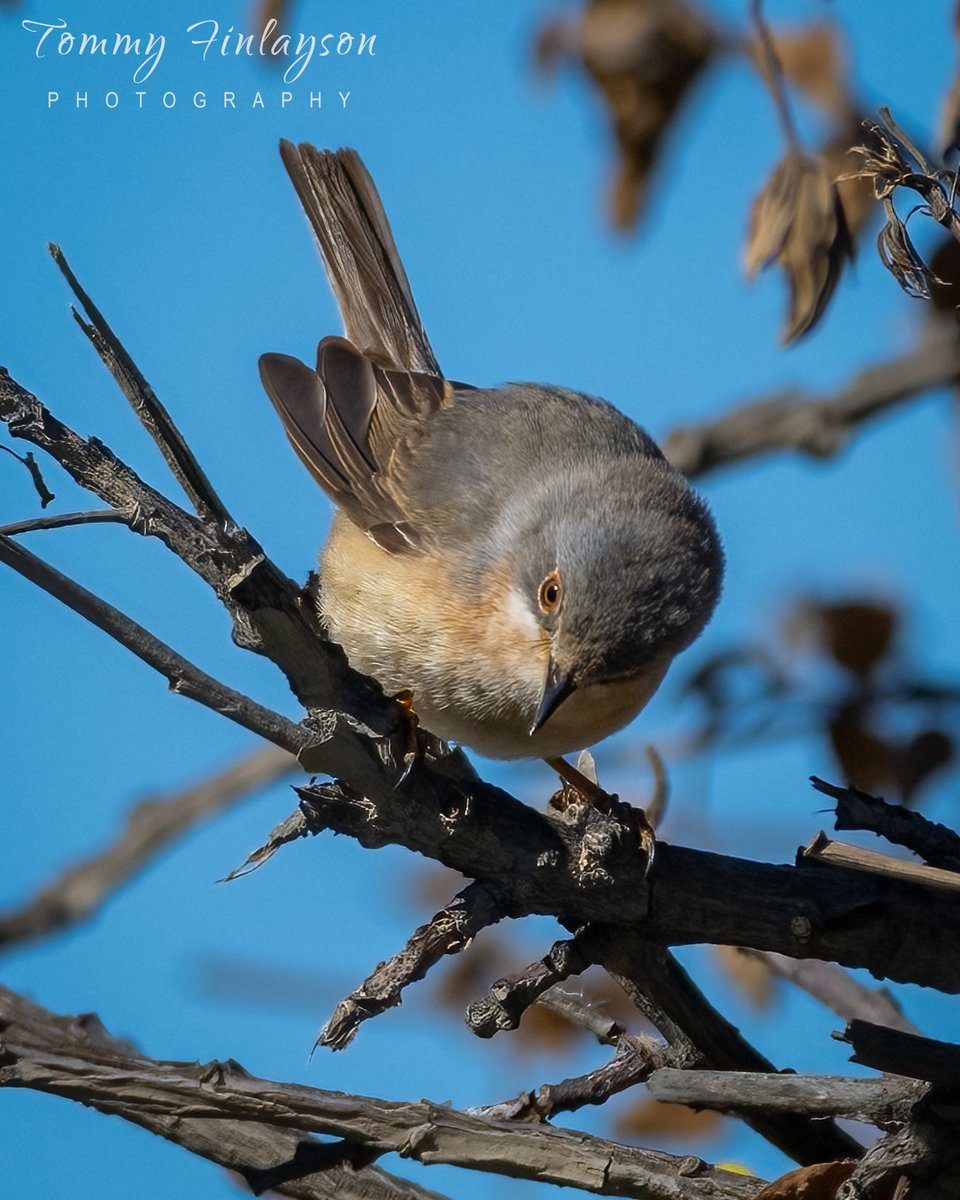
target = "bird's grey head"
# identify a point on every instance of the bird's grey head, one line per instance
(621, 566)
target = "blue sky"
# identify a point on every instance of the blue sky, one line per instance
(182, 225)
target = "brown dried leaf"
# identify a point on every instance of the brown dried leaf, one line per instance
(855, 191)
(858, 635)
(945, 265)
(865, 758)
(650, 1118)
(797, 222)
(920, 758)
(814, 60)
(751, 975)
(902, 259)
(817, 1182)
(643, 55)
(949, 135)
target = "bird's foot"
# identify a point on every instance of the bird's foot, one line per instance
(412, 740)
(576, 783)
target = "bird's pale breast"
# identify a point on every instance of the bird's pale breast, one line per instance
(475, 664)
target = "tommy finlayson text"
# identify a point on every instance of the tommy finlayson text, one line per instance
(55, 38)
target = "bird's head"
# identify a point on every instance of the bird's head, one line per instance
(619, 565)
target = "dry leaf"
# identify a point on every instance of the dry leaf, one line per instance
(797, 222)
(813, 60)
(902, 259)
(751, 975)
(855, 191)
(866, 759)
(643, 55)
(817, 1182)
(856, 634)
(949, 136)
(650, 1118)
(945, 265)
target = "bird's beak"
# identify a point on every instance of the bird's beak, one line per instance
(556, 688)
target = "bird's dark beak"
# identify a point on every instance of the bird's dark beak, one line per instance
(556, 688)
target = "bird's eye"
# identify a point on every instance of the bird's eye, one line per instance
(549, 593)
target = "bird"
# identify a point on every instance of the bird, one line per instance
(520, 563)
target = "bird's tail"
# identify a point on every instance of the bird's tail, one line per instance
(361, 259)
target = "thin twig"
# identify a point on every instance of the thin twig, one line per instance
(149, 828)
(510, 997)
(772, 74)
(98, 516)
(38, 481)
(154, 417)
(450, 931)
(634, 1062)
(819, 426)
(183, 677)
(933, 842)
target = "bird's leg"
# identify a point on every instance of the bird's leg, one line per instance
(414, 742)
(409, 734)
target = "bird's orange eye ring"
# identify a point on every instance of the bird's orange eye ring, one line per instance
(550, 593)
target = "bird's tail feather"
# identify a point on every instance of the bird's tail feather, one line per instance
(360, 256)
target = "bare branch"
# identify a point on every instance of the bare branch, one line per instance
(698, 1036)
(817, 425)
(880, 1102)
(451, 930)
(270, 615)
(837, 989)
(578, 1011)
(154, 417)
(839, 854)
(264, 1155)
(510, 997)
(895, 930)
(183, 677)
(934, 843)
(34, 470)
(150, 826)
(173, 1098)
(900, 1053)
(634, 1062)
(114, 516)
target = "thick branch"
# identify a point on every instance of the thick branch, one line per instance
(150, 826)
(816, 425)
(892, 929)
(33, 1041)
(170, 1097)
(878, 1101)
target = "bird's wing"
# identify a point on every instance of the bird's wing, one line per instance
(347, 420)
